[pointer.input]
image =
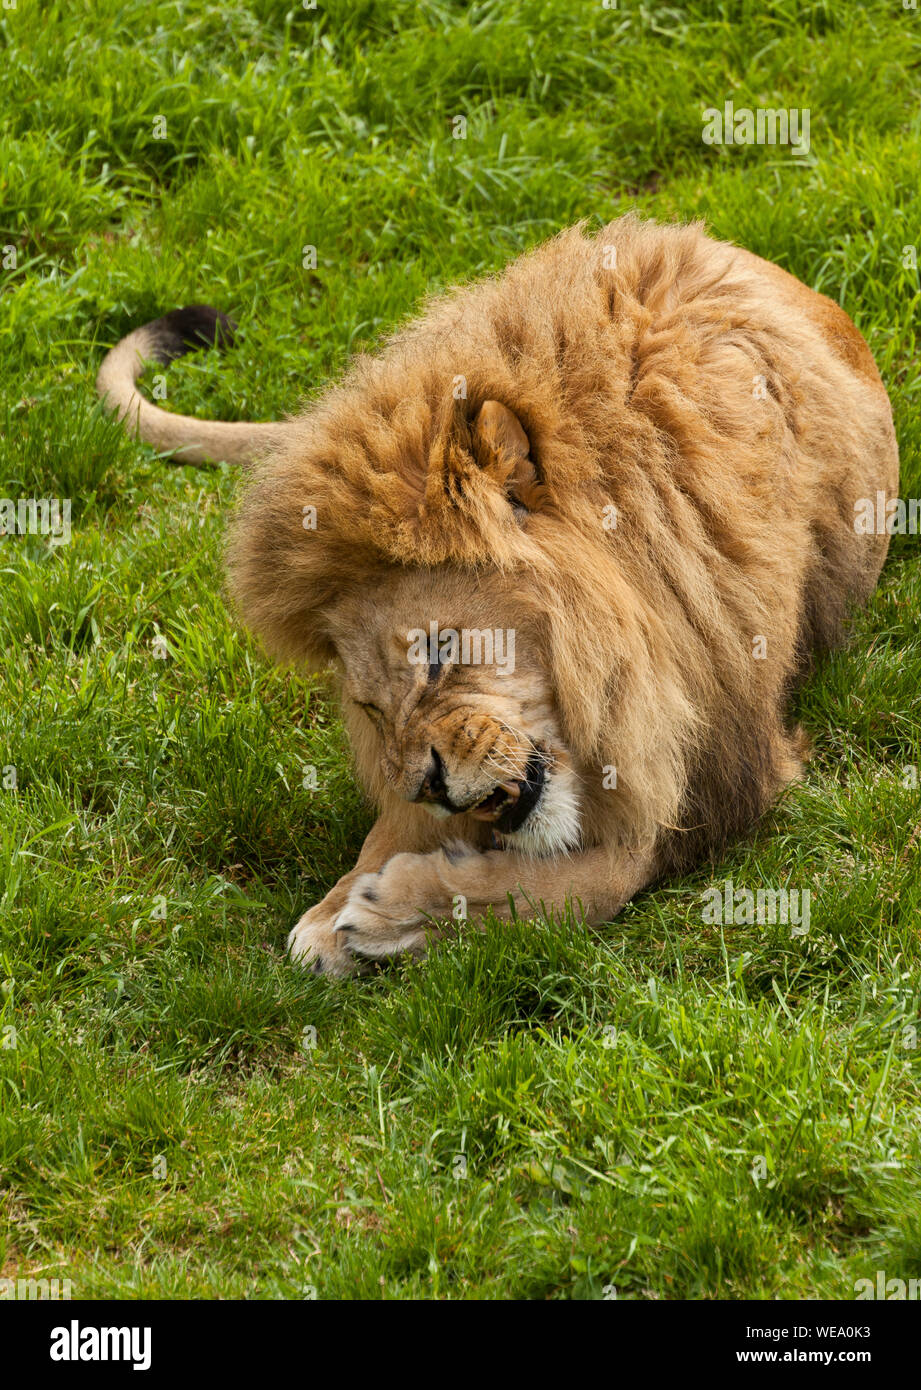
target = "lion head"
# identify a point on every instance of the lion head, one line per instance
(449, 705)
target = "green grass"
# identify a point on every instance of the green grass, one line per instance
(542, 1111)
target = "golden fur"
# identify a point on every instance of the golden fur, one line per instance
(467, 475)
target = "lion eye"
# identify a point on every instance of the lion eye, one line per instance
(437, 666)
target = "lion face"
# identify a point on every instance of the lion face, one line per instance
(449, 707)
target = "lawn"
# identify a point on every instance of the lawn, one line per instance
(667, 1108)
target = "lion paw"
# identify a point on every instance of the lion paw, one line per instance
(385, 913)
(314, 944)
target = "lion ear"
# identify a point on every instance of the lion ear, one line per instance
(501, 446)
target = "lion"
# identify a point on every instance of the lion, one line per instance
(568, 541)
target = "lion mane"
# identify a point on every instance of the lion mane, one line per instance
(701, 427)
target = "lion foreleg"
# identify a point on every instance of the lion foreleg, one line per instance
(411, 896)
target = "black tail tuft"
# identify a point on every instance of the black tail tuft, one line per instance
(184, 330)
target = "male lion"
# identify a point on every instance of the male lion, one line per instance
(569, 540)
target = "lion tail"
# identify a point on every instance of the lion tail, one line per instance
(193, 441)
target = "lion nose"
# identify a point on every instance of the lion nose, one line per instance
(433, 786)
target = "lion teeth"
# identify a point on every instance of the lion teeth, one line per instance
(496, 810)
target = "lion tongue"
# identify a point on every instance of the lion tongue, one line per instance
(496, 802)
